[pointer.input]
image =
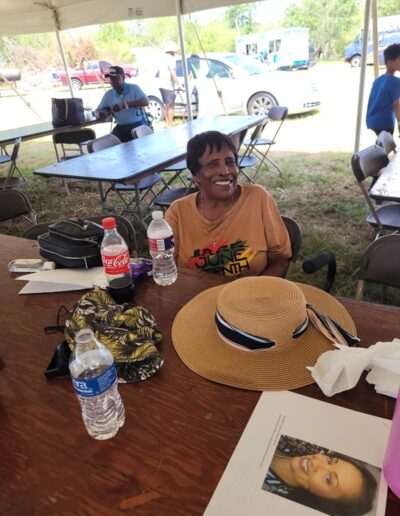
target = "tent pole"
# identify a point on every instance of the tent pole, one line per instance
(184, 62)
(375, 37)
(362, 73)
(56, 25)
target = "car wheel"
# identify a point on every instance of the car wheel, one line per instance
(156, 109)
(261, 103)
(76, 84)
(355, 61)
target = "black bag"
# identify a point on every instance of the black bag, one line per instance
(72, 243)
(67, 112)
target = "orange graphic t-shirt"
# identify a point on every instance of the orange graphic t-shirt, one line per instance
(240, 242)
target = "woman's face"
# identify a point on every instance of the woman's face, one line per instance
(217, 177)
(327, 476)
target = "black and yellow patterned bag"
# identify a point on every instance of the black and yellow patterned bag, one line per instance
(129, 332)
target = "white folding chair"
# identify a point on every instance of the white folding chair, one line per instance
(386, 141)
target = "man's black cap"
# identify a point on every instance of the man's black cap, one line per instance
(114, 71)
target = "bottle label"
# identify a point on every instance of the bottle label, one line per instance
(94, 386)
(161, 244)
(116, 264)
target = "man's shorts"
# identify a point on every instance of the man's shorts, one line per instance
(168, 96)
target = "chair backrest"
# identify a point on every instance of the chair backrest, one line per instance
(295, 236)
(124, 227)
(278, 113)
(257, 133)
(14, 154)
(141, 130)
(380, 263)
(238, 139)
(108, 140)
(386, 141)
(14, 203)
(74, 137)
(368, 162)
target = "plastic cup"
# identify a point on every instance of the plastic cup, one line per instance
(121, 290)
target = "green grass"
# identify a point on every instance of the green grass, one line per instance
(317, 190)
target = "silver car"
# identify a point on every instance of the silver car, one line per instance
(235, 84)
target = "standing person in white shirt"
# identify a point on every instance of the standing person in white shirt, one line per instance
(168, 80)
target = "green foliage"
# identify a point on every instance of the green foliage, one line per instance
(154, 32)
(242, 18)
(388, 7)
(33, 52)
(79, 50)
(331, 22)
(214, 37)
(113, 42)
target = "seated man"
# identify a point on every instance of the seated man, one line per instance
(125, 102)
(226, 227)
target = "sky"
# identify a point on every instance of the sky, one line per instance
(269, 11)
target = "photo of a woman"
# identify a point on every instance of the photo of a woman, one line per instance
(327, 481)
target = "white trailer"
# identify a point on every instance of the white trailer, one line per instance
(280, 48)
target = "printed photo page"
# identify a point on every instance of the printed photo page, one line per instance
(301, 456)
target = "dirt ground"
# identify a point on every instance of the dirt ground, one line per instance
(332, 128)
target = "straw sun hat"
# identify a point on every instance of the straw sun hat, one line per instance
(260, 333)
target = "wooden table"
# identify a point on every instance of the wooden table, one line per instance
(137, 158)
(387, 186)
(180, 429)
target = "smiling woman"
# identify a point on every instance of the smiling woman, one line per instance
(316, 477)
(226, 228)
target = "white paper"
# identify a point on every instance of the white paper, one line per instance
(60, 280)
(357, 435)
(37, 287)
(84, 277)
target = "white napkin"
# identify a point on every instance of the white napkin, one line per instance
(340, 370)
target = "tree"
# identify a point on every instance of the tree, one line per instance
(114, 42)
(388, 7)
(242, 18)
(330, 22)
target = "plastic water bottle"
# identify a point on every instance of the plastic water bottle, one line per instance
(116, 262)
(94, 378)
(161, 244)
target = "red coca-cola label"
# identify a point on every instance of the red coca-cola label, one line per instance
(117, 263)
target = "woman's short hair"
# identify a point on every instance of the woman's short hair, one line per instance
(197, 146)
(345, 507)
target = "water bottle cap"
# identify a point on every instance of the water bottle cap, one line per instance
(109, 223)
(157, 215)
(85, 335)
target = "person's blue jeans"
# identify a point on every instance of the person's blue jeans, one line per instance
(123, 132)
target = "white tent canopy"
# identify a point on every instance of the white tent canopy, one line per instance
(35, 16)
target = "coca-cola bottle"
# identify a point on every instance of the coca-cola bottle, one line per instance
(116, 262)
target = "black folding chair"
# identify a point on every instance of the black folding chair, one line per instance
(11, 181)
(71, 144)
(368, 163)
(14, 203)
(276, 114)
